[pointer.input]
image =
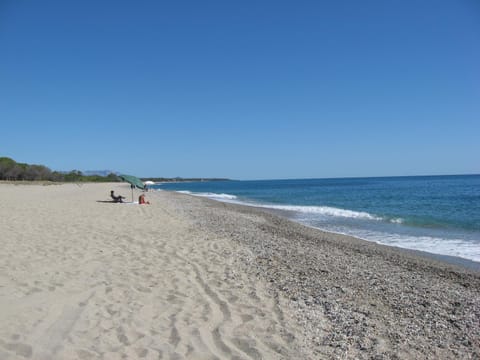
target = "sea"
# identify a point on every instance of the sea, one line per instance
(434, 214)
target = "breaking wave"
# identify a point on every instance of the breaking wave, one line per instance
(325, 210)
(213, 196)
(315, 210)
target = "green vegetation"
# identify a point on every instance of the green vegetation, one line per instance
(10, 170)
(13, 171)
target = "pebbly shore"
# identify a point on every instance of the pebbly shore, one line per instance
(354, 299)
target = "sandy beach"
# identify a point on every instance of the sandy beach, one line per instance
(190, 278)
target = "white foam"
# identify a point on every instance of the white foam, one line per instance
(214, 196)
(318, 210)
(450, 247)
(324, 210)
(435, 245)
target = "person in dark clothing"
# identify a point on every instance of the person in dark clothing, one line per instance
(118, 198)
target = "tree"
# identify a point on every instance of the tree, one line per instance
(73, 176)
(11, 170)
(14, 173)
(6, 165)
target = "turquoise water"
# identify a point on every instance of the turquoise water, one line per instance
(437, 214)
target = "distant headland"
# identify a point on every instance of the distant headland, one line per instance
(180, 179)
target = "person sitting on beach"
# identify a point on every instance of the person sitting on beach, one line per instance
(118, 198)
(141, 200)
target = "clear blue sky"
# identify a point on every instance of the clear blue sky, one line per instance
(242, 89)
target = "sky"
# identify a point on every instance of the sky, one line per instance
(242, 89)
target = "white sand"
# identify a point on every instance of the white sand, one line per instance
(190, 278)
(82, 279)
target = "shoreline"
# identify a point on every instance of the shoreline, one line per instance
(460, 263)
(447, 259)
(407, 213)
(363, 290)
(189, 277)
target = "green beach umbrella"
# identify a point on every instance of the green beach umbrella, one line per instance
(134, 181)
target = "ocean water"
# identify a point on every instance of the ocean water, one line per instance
(435, 214)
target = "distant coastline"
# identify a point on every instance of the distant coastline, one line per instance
(179, 179)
